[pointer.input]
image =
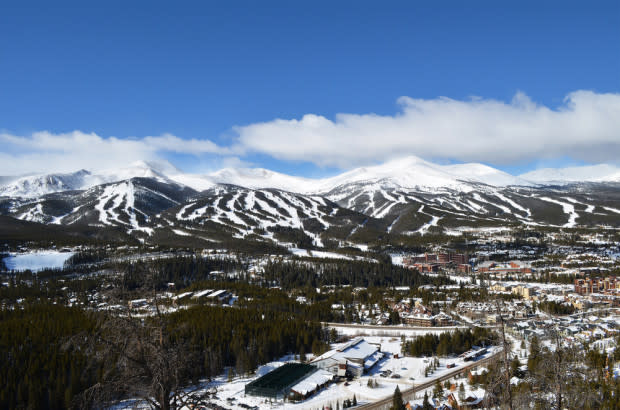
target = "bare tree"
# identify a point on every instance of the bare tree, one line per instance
(505, 363)
(564, 372)
(560, 377)
(143, 359)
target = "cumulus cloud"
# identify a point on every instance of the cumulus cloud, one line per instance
(66, 152)
(585, 127)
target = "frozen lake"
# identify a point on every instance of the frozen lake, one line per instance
(37, 261)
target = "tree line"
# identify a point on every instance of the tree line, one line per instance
(55, 357)
(298, 274)
(447, 343)
(37, 365)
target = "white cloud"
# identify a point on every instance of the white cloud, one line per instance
(586, 127)
(45, 151)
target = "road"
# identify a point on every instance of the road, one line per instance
(391, 328)
(594, 311)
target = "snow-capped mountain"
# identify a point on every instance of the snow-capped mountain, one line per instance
(409, 196)
(409, 172)
(265, 214)
(38, 185)
(130, 204)
(158, 170)
(255, 178)
(562, 176)
(413, 210)
(413, 172)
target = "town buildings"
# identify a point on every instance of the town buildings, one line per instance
(431, 262)
(609, 285)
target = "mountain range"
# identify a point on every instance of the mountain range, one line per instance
(155, 202)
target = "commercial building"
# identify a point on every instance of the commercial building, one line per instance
(431, 262)
(608, 285)
(353, 358)
(501, 269)
(291, 381)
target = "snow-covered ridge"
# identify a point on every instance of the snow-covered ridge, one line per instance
(130, 203)
(561, 176)
(409, 172)
(247, 210)
(38, 185)
(34, 186)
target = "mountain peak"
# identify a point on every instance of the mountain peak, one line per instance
(586, 173)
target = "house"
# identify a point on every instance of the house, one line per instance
(221, 296)
(201, 294)
(472, 402)
(137, 303)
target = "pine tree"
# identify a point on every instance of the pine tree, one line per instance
(397, 400)
(302, 354)
(426, 405)
(438, 390)
(461, 392)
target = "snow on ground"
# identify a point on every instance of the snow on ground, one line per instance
(460, 279)
(361, 247)
(322, 254)
(410, 371)
(547, 286)
(36, 261)
(592, 173)
(387, 331)
(514, 204)
(568, 209)
(433, 222)
(181, 233)
(397, 259)
(406, 368)
(480, 230)
(611, 209)
(505, 209)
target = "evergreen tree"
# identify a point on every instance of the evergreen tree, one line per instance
(535, 354)
(397, 400)
(426, 405)
(438, 390)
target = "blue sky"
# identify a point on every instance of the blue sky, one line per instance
(211, 71)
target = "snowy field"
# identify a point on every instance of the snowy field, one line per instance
(318, 254)
(37, 261)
